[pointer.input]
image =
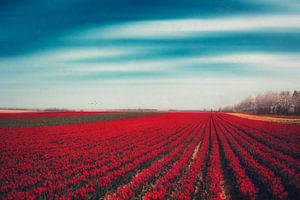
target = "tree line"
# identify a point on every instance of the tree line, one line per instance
(283, 102)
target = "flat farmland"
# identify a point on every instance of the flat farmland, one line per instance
(62, 118)
(179, 155)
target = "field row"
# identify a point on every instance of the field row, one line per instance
(165, 156)
(63, 118)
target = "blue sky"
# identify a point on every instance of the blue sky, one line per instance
(179, 54)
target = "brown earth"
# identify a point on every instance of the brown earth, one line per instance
(16, 111)
(74, 119)
(271, 118)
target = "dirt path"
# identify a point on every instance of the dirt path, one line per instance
(271, 118)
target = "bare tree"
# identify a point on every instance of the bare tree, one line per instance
(269, 102)
(296, 102)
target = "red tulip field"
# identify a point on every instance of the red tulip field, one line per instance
(176, 155)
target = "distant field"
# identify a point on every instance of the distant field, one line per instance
(28, 119)
(15, 111)
(149, 156)
(271, 118)
(33, 114)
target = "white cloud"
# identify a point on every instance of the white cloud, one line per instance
(189, 27)
(76, 53)
(72, 54)
(145, 65)
(272, 62)
(85, 53)
(264, 60)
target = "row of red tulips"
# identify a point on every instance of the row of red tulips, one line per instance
(167, 156)
(128, 190)
(188, 185)
(271, 160)
(266, 137)
(266, 176)
(244, 183)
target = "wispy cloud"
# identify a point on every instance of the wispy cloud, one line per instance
(191, 27)
(225, 64)
(73, 54)
(263, 60)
